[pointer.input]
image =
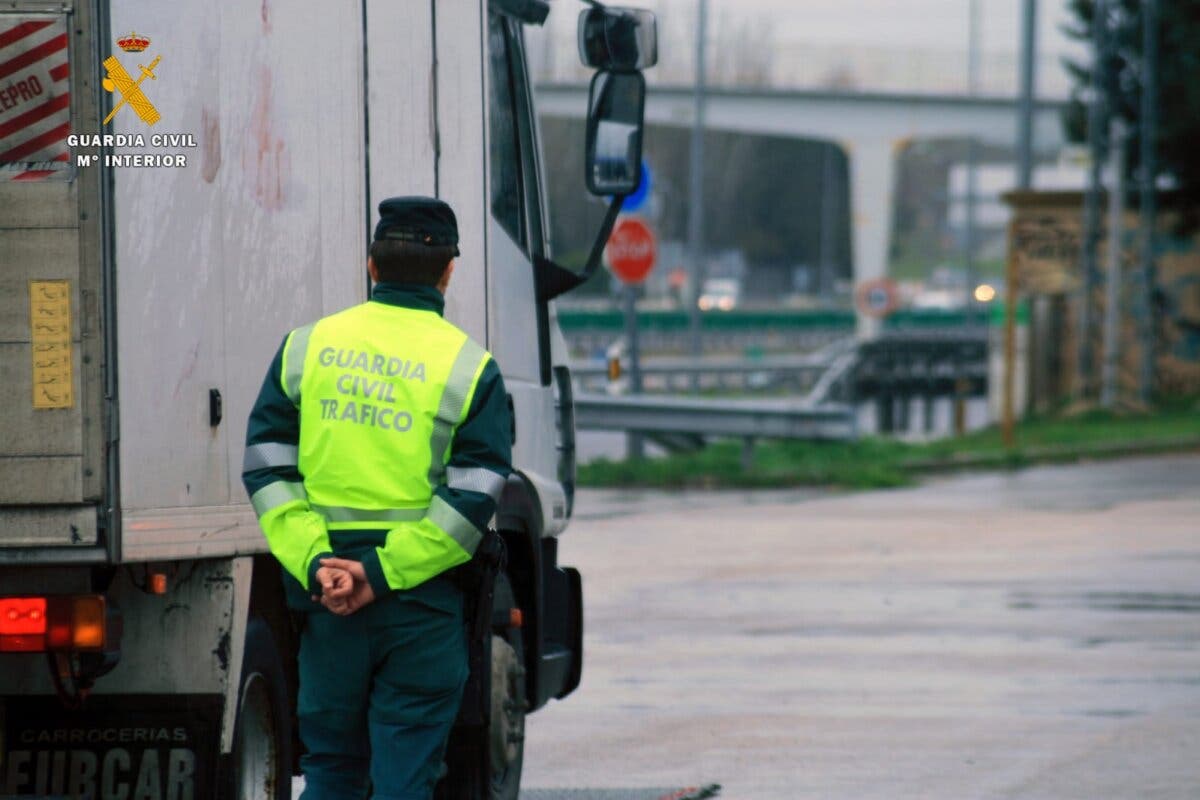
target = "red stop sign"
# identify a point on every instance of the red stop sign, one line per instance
(631, 250)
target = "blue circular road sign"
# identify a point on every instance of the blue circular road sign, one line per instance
(638, 199)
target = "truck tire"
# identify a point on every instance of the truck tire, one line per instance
(506, 738)
(260, 766)
(485, 764)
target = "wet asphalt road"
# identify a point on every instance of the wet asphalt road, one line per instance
(1032, 634)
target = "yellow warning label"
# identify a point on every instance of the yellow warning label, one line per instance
(50, 332)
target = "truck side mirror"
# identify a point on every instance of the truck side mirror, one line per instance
(616, 110)
(618, 38)
(619, 42)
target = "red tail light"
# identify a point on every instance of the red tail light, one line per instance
(23, 624)
(37, 624)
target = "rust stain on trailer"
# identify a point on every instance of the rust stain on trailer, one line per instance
(188, 369)
(221, 651)
(267, 156)
(265, 12)
(210, 141)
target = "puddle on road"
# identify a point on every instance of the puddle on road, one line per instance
(1152, 602)
(1094, 641)
(1112, 713)
(788, 630)
(1150, 681)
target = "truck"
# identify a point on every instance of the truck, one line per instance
(181, 184)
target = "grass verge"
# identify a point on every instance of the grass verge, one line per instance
(875, 462)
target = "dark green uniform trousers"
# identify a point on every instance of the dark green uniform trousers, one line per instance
(379, 691)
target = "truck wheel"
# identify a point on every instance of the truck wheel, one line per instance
(485, 763)
(260, 765)
(506, 738)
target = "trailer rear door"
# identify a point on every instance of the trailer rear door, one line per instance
(52, 471)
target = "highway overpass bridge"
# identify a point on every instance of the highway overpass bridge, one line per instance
(870, 127)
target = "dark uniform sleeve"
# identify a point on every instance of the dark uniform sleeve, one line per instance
(480, 462)
(298, 537)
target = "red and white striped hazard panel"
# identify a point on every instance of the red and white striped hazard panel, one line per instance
(35, 98)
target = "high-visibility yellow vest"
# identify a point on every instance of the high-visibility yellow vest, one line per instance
(381, 390)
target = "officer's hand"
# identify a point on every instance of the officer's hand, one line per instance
(362, 595)
(355, 568)
(334, 581)
(359, 595)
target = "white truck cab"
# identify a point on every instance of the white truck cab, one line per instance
(181, 184)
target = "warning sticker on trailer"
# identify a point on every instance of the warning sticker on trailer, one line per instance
(35, 98)
(50, 342)
(109, 753)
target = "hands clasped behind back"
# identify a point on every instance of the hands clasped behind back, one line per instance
(344, 586)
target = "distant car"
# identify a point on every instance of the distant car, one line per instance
(938, 300)
(720, 293)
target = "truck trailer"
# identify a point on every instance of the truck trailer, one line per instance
(181, 184)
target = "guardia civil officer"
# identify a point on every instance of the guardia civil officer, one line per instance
(374, 458)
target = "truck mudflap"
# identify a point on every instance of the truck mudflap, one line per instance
(114, 748)
(574, 630)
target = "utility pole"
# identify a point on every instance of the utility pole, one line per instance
(1027, 97)
(972, 279)
(1026, 101)
(696, 190)
(635, 446)
(1112, 285)
(1097, 111)
(1024, 183)
(1149, 197)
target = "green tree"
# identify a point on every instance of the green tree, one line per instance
(1178, 131)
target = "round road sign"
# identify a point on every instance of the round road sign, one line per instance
(631, 250)
(877, 298)
(635, 201)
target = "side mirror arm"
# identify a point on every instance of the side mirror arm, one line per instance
(553, 280)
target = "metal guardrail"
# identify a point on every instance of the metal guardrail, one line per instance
(576, 319)
(756, 372)
(892, 369)
(667, 374)
(686, 365)
(745, 419)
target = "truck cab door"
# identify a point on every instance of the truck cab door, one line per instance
(520, 327)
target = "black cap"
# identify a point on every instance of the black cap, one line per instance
(422, 220)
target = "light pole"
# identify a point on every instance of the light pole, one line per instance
(1149, 198)
(972, 159)
(1097, 112)
(695, 226)
(1024, 182)
(1028, 95)
(1112, 284)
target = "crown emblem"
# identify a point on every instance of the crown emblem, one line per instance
(133, 43)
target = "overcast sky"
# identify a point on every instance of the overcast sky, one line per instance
(925, 39)
(921, 23)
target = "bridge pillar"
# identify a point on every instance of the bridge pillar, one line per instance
(872, 181)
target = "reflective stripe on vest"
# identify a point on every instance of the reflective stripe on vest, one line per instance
(269, 454)
(459, 388)
(475, 479)
(276, 494)
(458, 527)
(385, 516)
(292, 369)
